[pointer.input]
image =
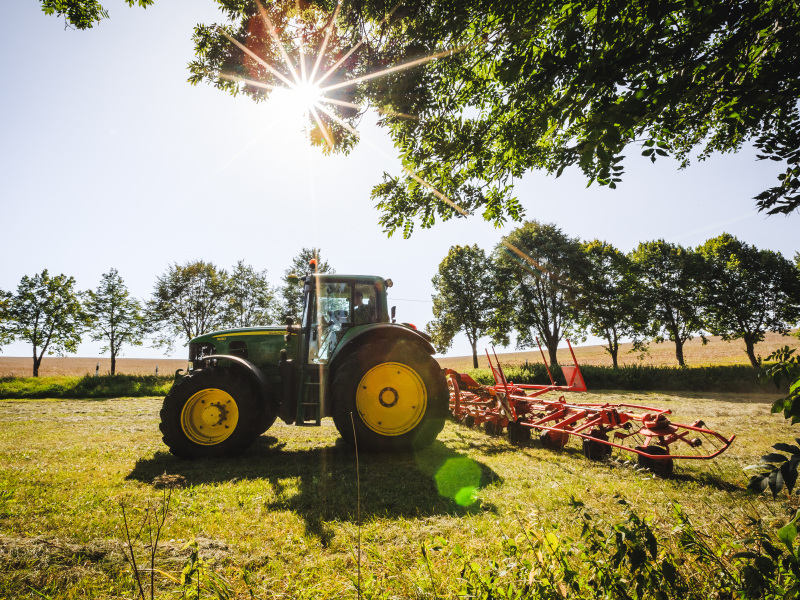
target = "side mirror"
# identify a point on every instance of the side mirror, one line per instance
(394, 313)
(291, 327)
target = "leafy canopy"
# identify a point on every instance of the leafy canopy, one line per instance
(671, 277)
(537, 85)
(116, 318)
(82, 14)
(251, 299)
(464, 299)
(747, 292)
(609, 301)
(540, 267)
(188, 300)
(47, 313)
(517, 86)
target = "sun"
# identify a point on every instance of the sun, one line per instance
(306, 94)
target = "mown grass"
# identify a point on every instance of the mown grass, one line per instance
(104, 386)
(283, 517)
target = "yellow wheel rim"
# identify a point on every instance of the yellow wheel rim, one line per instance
(209, 417)
(391, 399)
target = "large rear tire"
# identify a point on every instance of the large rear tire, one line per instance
(396, 393)
(212, 412)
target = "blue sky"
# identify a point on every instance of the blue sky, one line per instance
(109, 158)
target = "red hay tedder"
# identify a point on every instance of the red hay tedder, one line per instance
(644, 431)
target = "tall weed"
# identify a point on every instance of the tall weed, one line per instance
(631, 560)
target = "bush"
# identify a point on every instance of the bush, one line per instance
(725, 378)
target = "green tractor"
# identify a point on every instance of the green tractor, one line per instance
(347, 359)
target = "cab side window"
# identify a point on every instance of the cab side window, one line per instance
(365, 307)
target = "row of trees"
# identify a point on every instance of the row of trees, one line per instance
(541, 283)
(188, 300)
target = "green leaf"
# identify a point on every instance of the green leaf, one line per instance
(787, 535)
(774, 457)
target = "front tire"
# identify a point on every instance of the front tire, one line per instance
(211, 412)
(397, 395)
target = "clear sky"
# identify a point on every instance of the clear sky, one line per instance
(109, 158)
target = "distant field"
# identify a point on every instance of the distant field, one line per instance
(13, 366)
(716, 352)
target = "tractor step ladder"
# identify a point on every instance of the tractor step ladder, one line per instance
(309, 394)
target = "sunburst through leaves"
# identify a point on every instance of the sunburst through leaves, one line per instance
(314, 56)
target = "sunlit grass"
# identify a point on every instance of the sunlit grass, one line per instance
(286, 510)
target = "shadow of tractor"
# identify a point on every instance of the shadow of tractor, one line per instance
(320, 484)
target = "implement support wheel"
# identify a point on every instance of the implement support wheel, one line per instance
(594, 449)
(661, 467)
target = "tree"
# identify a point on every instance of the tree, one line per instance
(47, 313)
(537, 263)
(5, 303)
(251, 300)
(188, 300)
(116, 318)
(609, 303)
(534, 85)
(747, 292)
(292, 293)
(463, 300)
(82, 14)
(670, 276)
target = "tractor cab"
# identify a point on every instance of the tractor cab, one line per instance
(336, 304)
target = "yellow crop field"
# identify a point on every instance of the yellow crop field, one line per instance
(53, 366)
(716, 352)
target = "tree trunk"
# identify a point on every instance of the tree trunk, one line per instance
(614, 351)
(113, 363)
(679, 352)
(37, 361)
(613, 347)
(552, 349)
(750, 348)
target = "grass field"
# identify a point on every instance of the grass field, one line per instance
(282, 521)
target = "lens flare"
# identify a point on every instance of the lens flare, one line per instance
(307, 94)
